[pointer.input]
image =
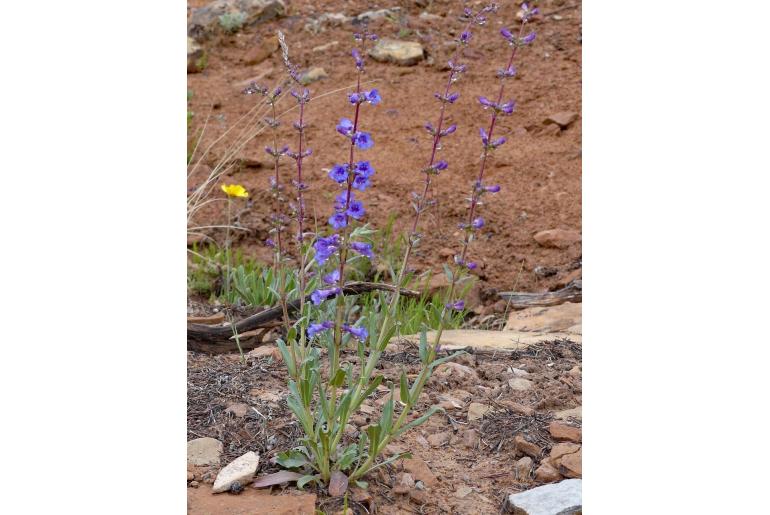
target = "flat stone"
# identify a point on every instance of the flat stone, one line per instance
(520, 384)
(557, 238)
(463, 492)
(562, 498)
(563, 119)
(402, 53)
(404, 483)
(562, 449)
(325, 47)
(456, 339)
(378, 14)
(439, 439)
(550, 319)
(203, 452)
(526, 447)
(545, 473)
(238, 409)
(471, 438)
(576, 413)
(420, 471)
(571, 465)
(241, 469)
(562, 432)
(265, 351)
(476, 410)
(523, 468)
(314, 74)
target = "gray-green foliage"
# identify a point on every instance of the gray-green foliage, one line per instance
(232, 22)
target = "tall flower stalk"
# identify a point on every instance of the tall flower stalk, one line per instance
(278, 221)
(479, 188)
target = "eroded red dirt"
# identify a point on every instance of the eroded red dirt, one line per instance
(539, 170)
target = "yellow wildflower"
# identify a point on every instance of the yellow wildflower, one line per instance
(235, 190)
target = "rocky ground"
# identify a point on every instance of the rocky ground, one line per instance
(512, 423)
(513, 405)
(532, 238)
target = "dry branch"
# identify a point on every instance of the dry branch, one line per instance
(573, 292)
(219, 339)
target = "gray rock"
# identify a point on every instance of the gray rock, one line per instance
(204, 20)
(520, 384)
(403, 53)
(379, 14)
(313, 74)
(203, 452)
(562, 119)
(241, 470)
(562, 498)
(196, 56)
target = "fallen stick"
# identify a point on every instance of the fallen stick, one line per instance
(218, 339)
(573, 292)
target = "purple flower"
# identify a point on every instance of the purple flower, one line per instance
(429, 127)
(493, 189)
(457, 305)
(359, 333)
(484, 136)
(451, 97)
(345, 127)
(314, 329)
(499, 141)
(508, 72)
(486, 102)
(506, 34)
(270, 243)
(333, 277)
(364, 168)
(356, 209)
(465, 37)
(325, 247)
(449, 130)
(365, 249)
(528, 39)
(478, 223)
(507, 108)
(341, 200)
(339, 173)
(364, 140)
(361, 182)
(338, 221)
(441, 165)
(319, 296)
(373, 97)
(357, 56)
(354, 98)
(471, 266)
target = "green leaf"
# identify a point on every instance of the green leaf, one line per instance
(361, 484)
(291, 459)
(374, 439)
(448, 273)
(339, 378)
(301, 482)
(446, 358)
(348, 456)
(424, 346)
(287, 357)
(386, 422)
(418, 421)
(404, 388)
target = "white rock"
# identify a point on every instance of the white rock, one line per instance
(404, 53)
(519, 383)
(203, 452)
(241, 469)
(562, 498)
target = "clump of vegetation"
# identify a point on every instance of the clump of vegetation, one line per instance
(325, 391)
(232, 22)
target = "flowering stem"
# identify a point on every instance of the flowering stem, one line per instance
(468, 238)
(301, 234)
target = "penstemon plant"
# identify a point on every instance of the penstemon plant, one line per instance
(324, 394)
